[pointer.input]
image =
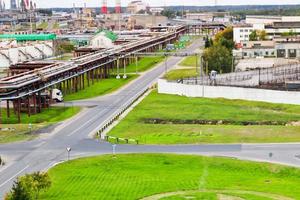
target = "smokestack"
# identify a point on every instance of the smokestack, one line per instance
(118, 6)
(27, 4)
(104, 7)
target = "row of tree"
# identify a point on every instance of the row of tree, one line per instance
(218, 51)
(28, 187)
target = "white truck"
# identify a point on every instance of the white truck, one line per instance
(57, 95)
(54, 94)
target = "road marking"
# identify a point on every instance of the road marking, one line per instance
(73, 132)
(14, 176)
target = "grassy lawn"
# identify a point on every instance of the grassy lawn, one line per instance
(111, 84)
(177, 74)
(56, 25)
(51, 115)
(11, 131)
(101, 87)
(18, 132)
(189, 61)
(65, 57)
(171, 119)
(143, 65)
(135, 176)
(43, 25)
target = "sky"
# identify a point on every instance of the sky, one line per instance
(97, 3)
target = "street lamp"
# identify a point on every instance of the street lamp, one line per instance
(124, 76)
(118, 69)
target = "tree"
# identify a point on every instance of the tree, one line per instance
(65, 47)
(28, 187)
(208, 42)
(225, 38)
(253, 36)
(226, 33)
(42, 182)
(229, 44)
(219, 58)
(262, 35)
(169, 13)
(21, 190)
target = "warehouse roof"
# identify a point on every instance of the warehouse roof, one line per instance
(28, 37)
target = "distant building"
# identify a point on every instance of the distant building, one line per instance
(224, 17)
(156, 10)
(136, 6)
(20, 48)
(104, 39)
(278, 48)
(275, 26)
(146, 21)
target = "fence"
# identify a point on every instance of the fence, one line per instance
(253, 78)
(104, 126)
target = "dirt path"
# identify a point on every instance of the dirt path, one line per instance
(220, 194)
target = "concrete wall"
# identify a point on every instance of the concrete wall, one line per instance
(271, 96)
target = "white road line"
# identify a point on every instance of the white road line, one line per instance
(14, 176)
(92, 119)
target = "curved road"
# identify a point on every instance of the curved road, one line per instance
(50, 148)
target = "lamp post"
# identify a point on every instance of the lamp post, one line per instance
(136, 65)
(118, 69)
(124, 76)
(166, 64)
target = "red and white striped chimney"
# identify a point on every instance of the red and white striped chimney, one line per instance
(118, 6)
(104, 7)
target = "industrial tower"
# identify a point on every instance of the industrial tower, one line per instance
(104, 7)
(118, 6)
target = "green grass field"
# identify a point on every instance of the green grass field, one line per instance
(111, 84)
(143, 64)
(18, 132)
(171, 119)
(189, 61)
(43, 25)
(177, 74)
(137, 176)
(64, 57)
(100, 87)
(48, 115)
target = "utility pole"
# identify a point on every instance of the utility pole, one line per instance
(136, 65)
(166, 64)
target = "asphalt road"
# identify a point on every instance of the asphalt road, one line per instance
(50, 148)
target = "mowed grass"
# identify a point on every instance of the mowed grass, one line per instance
(172, 107)
(17, 132)
(177, 74)
(48, 115)
(12, 131)
(190, 61)
(143, 64)
(140, 175)
(101, 87)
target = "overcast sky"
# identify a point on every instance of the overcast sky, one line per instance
(94, 3)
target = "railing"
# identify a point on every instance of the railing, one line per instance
(253, 78)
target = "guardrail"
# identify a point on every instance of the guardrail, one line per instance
(100, 133)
